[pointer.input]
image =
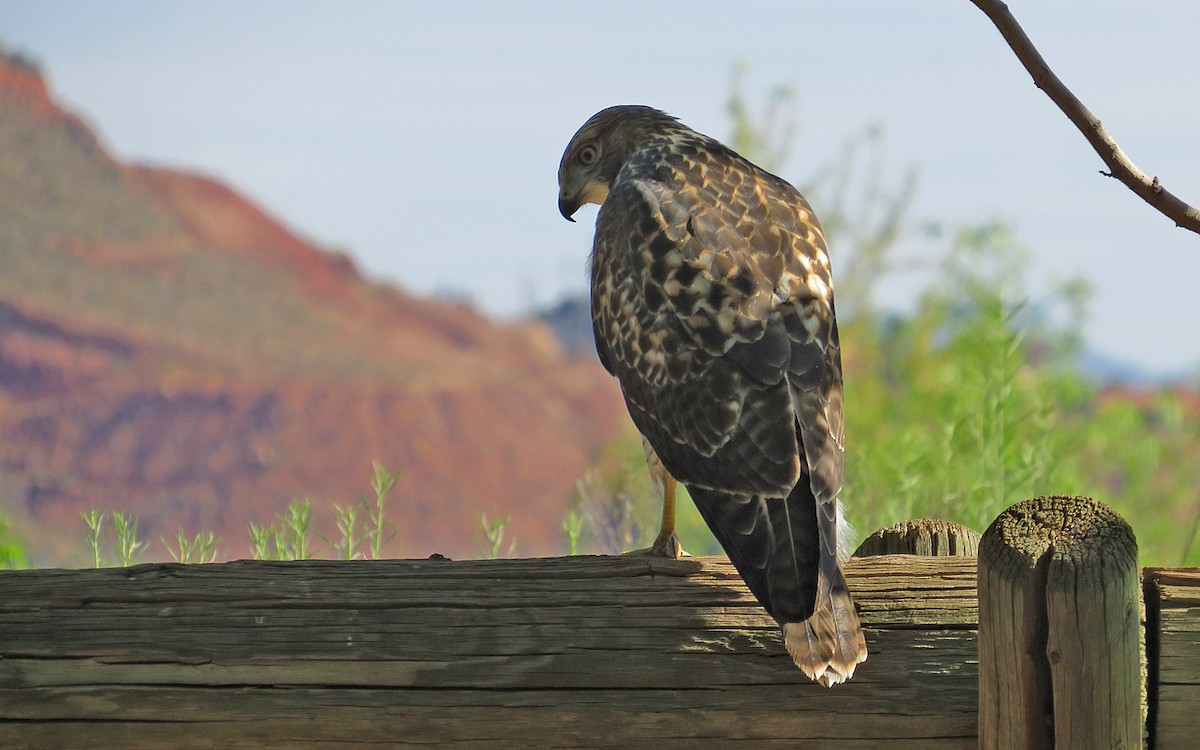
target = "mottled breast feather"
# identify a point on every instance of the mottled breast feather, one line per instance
(713, 306)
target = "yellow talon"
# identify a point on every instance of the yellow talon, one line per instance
(666, 544)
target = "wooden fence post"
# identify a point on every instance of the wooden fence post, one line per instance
(1173, 656)
(1059, 631)
(926, 537)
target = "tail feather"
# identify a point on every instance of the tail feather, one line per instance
(829, 644)
(776, 546)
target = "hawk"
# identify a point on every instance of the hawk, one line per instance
(712, 304)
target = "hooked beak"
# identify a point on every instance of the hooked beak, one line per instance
(568, 208)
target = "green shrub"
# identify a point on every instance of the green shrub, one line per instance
(12, 552)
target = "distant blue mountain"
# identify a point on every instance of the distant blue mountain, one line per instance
(571, 321)
(1107, 369)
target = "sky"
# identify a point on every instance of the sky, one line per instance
(424, 138)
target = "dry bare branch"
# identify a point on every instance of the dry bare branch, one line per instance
(1120, 166)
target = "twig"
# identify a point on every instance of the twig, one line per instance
(1121, 168)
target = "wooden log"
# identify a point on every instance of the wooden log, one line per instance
(606, 652)
(1173, 652)
(1059, 635)
(928, 537)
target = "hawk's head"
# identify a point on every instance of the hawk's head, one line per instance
(598, 151)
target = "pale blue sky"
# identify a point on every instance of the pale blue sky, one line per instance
(424, 138)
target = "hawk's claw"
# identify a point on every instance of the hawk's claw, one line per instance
(668, 547)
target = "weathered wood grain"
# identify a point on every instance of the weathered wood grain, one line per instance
(922, 536)
(562, 652)
(566, 652)
(1173, 641)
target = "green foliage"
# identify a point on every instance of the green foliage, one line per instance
(573, 528)
(380, 530)
(12, 552)
(297, 523)
(261, 541)
(128, 546)
(945, 416)
(94, 520)
(289, 538)
(350, 538)
(122, 543)
(972, 403)
(201, 548)
(492, 537)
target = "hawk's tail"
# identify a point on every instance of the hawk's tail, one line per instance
(830, 643)
(778, 549)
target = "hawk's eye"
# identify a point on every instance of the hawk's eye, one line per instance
(587, 155)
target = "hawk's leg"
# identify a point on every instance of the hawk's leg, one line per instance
(666, 544)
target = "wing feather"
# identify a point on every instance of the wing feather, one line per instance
(712, 298)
